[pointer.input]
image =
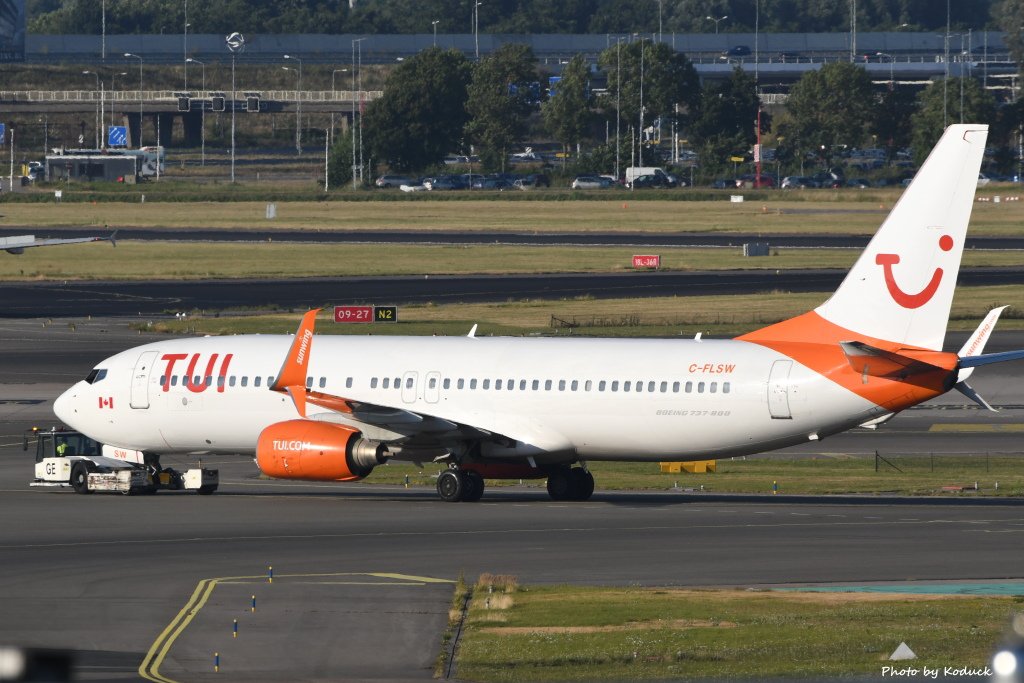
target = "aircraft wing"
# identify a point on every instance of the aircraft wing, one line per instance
(411, 424)
(19, 243)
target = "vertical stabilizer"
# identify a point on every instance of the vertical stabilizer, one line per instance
(901, 287)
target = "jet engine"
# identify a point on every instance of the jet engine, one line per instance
(317, 451)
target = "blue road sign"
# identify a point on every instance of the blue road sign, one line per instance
(117, 136)
(3, 133)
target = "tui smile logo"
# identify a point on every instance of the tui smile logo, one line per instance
(904, 299)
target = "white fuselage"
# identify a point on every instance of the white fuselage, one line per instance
(557, 399)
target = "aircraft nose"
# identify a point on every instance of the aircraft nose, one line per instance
(64, 407)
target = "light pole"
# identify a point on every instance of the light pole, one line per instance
(659, 21)
(113, 83)
(434, 24)
(618, 99)
(476, 29)
(98, 118)
(298, 105)
(202, 111)
(103, 30)
(333, 99)
(235, 43)
(355, 41)
(184, 52)
(891, 60)
(129, 55)
(717, 21)
(640, 130)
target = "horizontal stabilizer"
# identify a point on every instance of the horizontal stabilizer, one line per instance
(989, 358)
(968, 391)
(875, 362)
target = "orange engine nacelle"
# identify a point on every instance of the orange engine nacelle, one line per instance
(317, 451)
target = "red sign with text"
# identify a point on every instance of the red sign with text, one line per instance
(646, 261)
(353, 314)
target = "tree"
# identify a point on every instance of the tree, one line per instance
(891, 121)
(339, 163)
(567, 113)
(728, 121)
(421, 115)
(499, 101)
(828, 109)
(928, 122)
(668, 79)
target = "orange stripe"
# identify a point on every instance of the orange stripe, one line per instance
(813, 341)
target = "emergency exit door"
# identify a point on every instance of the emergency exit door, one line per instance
(140, 380)
(778, 390)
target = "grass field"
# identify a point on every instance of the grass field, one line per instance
(133, 260)
(581, 633)
(823, 212)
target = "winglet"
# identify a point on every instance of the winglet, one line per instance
(113, 238)
(292, 377)
(975, 345)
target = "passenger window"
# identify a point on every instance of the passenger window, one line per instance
(522, 385)
(650, 386)
(447, 383)
(547, 385)
(689, 387)
(700, 387)
(398, 382)
(256, 382)
(626, 386)
(408, 383)
(561, 385)
(472, 384)
(270, 380)
(601, 385)
(174, 380)
(675, 387)
(209, 380)
(487, 384)
(615, 385)
(575, 385)
(231, 381)
(309, 382)
(348, 382)
(511, 384)
(725, 387)
(197, 380)
(323, 382)
(714, 387)
(664, 387)
(373, 382)
(432, 382)
(163, 380)
(220, 381)
(588, 386)
(245, 380)
(497, 384)
(386, 383)
(462, 384)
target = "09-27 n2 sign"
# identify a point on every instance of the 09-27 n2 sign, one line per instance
(366, 314)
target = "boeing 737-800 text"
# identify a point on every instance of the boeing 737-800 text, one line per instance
(511, 408)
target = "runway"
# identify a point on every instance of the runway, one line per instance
(362, 571)
(156, 297)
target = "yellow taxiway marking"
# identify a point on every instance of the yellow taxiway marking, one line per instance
(150, 667)
(977, 428)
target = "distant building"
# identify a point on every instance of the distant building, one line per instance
(12, 30)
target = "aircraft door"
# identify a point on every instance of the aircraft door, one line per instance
(409, 387)
(778, 390)
(140, 380)
(432, 391)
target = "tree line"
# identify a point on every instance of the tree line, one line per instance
(515, 16)
(439, 102)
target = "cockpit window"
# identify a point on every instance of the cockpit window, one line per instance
(97, 375)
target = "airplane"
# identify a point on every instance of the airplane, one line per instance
(334, 408)
(17, 244)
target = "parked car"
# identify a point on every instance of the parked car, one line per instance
(862, 183)
(749, 179)
(827, 179)
(481, 183)
(590, 182)
(983, 180)
(793, 182)
(445, 182)
(653, 180)
(535, 180)
(724, 183)
(394, 181)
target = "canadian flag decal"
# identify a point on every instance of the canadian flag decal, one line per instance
(106, 402)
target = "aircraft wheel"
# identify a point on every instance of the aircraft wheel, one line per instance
(474, 486)
(206, 490)
(582, 483)
(560, 484)
(451, 486)
(80, 478)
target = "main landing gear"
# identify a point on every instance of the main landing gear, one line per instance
(564, 483)
(574, 483)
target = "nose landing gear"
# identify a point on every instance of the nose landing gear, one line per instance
(574, 483)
